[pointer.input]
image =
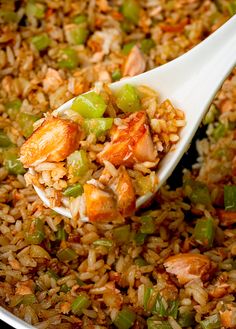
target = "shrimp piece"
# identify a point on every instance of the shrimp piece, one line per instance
(100, 205)
(188, 267)
(52, 80)
(135, 63)
(53, 141)
(123, 188)
(130, 143)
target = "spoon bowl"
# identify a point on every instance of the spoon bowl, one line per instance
(190, 82)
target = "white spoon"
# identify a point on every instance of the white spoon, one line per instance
(190, 82)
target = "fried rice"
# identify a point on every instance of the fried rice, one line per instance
(171, 265)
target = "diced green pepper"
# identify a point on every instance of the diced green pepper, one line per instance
(97, 126)
(155, 323)
(68, 59)
(79, 304)
(211, 115)
(121, 234)
(116, 75)
(64, 288)
(146, 45)
(4, 140)
(77, 35)
(35, 9)
(12, 163)
(127, 99)
(80, 19)
(131, 11)
(66, 254)
(103, 242)
(219, 131)
(8, 16)
(204, 232)
(41, 41)
(13, 108)
(139, 238)
(53, 274)
(140, 261)
(90, 105)
(127, 47)
(125, 319)
(230, 197)
(211, 322)
(148, 225)
(74, 190)
(26, 122)
(35, 233)
(197, 192)
(78, 163)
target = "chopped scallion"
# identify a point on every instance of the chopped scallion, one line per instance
(35, 233)
(103, 242)
(121, 234)
(41, 41)
(204, 232)
(116, 75)
(66, 254)
(125, 319)
(139, 238)
(230, 197)
(79, 304)
(197, 192)
(74, 190)
(4, 140)
(211, 322)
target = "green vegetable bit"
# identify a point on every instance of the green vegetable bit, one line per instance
(64, 288)
(212, 322)
(140, 261)
(148, 291)
(230, 197)
(53, 274)
(139, 238)
(78, 35)
(127, 99)
(28, 299)
(197, 192)
(204, 232)
(13, 108)
(219, 131)
(148, 225)
(35, 233)
(131, 11)
(35, 9)
(68, 59)
(78, 163)
(79, 304)
(103, 242)
(4, 140)
(90, 105)
(165, 308)
(66, 254)
(12, 163)
(41, 41)
(74, 190)
(8, 16)
(116, 75)
(211, 115)
(146, 45)
(125, 319)
(61, 234)
(232, 8)
(26, 122)
(121, 234)
(186, 317)
(97, 126)
(128, 47)
(80, 19)
(156, 323)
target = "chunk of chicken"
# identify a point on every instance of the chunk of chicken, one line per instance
(52, 80)
(131, 142)
(226, 218)
(188, 267)
(53, 141)
(124, 191)
(135, 63)
(100, 205)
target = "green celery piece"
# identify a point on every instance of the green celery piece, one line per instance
(197, 192)
(125, 319)
(148, 225)
(204, 232)
(148, 291)
(164, 308)
(13, 108)
(139, 238)
(28, 299)
(232, 8)
(4, 140)
(80, 282)
(64, 288)
(140, 261)
(103, 242)
(68, 59)
(80, 19)
(79, 304)
(116, 75)
(78, 163)
(186, 318)
(128, 47)
(173, 308)
(74, 190)
(26, 122)
(61, 234)
(90, 105)
(97, 126)
(8, 16)
(127, 99)
(121, 234)
(35, 233)
(79, 35)
(211, 115)
(219, 131)
(53, 274)
(211, 322)
(126, 26)
(66, 254)
(35, 9)
(41, 41)
(146, 45)
(230, 197)
(131, 11)
(155, 323)
(12, 163)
